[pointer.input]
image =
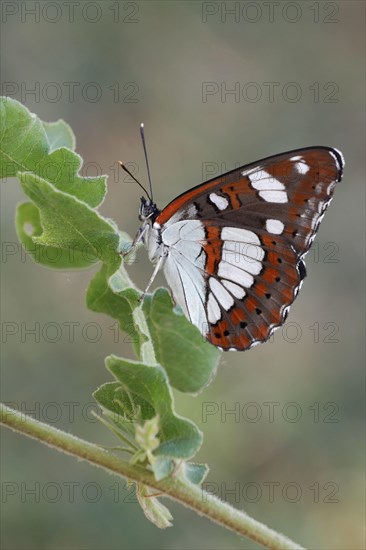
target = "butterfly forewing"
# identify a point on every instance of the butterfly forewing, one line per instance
(236, 243)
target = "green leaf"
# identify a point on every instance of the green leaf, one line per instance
(179, 347)
(25, 147)
(117, 402)
(101, 299)
(195, 473)
(28, 225)
(162, 467)
(179, 437)
(69, 223)
(23, 140)
(59, 134)
(61, 168)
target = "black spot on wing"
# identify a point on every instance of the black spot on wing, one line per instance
(302, 270)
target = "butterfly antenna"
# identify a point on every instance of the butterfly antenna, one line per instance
(142, 133)
(133, 177)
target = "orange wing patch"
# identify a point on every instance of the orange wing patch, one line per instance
(213, 249)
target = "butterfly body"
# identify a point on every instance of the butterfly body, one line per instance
(232, 248)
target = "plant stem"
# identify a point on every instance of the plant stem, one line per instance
(182, 491)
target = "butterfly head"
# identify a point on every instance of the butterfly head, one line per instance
(148, 210)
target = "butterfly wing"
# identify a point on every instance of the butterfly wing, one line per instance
(236, 243)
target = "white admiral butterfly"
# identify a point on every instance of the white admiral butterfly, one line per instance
(232, 248)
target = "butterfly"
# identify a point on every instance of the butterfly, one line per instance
(232, 248)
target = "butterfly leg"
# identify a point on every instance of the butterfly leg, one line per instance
(157, 267)
(139, 238)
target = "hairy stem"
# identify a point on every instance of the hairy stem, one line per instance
(182, 491)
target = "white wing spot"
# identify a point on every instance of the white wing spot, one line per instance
(273, 196)
(213, 310)
(219, 201)
(235, 274)
(298, 157)
(221, 294)
(236, 290)
(239, 235)
(263, 181)
(242, 262)
(270, 189)
(302, 167)
(252, 251)
(275, 226)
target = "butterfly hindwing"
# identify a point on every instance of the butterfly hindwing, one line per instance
(249, 290)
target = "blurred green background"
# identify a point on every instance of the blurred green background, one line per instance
(104, 67)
